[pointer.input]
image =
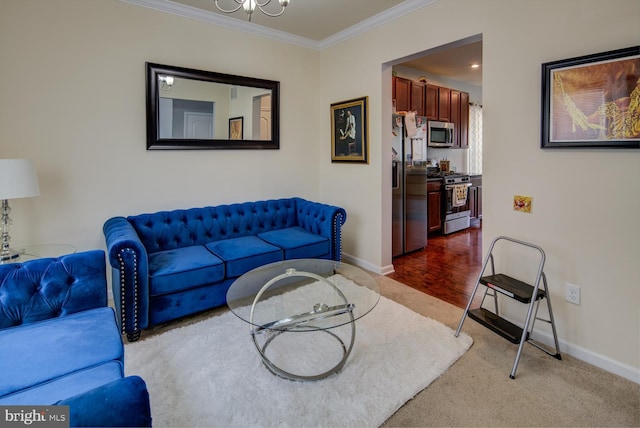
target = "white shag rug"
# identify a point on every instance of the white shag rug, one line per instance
(209, 374)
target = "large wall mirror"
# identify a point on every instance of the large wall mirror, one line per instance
(194, 109)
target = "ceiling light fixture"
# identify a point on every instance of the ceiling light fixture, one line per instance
(475, 65)
(250, 5)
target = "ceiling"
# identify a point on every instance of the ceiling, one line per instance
(320, 23)
(312, 19)
(452, 62)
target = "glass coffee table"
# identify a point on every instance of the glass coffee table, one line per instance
(303, 311)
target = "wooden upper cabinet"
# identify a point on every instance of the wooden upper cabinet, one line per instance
(444, 104)
(436, 103)
(409, 95)
(402, 93)
(417, 98)
(431, 102)
(464, 120)
(454, 116)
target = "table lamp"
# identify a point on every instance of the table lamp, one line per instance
(17, 180)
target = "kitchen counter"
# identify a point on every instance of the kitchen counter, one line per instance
(416, 171)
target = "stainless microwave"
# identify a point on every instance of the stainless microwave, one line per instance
(440, 134)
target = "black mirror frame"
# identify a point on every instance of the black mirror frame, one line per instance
(153, 130)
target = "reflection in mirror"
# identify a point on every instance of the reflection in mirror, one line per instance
(189, 109)
(201, 110)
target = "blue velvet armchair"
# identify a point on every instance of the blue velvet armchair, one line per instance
(60, 344)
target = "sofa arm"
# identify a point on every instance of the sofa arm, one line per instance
(325, 220)
(130, 275)
(121, 403)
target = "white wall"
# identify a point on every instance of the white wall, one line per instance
(583, 215)
(72, 99)
(72, 85)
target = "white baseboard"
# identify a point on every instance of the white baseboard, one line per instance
(385, 270)
(605, 363)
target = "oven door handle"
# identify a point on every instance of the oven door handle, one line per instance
(451, 186)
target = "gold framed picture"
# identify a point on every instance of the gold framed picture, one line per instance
(235, 128)
(350, 131)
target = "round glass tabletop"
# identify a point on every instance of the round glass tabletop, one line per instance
(303, 295)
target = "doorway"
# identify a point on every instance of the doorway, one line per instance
(447, 267)
(261, 125)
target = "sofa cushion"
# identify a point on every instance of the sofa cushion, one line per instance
(243, 254)
(297, 243)
(75, 342)
(183, 268)
(66, 386)
(120, 403)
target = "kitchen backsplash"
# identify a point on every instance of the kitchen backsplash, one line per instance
(457, 158)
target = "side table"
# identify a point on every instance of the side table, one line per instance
(39, 251)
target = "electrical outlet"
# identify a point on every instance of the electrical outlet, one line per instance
(572, 293)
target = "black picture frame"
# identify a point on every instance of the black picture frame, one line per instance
(350, 143)
(231, 85)
(236, 128)
(592, 101)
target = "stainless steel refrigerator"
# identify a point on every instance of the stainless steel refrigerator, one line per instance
(409, 187)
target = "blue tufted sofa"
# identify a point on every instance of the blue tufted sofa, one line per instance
(170, 264)
(60, 344)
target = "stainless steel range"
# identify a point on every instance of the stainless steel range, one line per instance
(457, 215)
(455, 194)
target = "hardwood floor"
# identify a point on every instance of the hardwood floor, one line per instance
(446, 268)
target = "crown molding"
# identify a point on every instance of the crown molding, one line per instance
(185, 11)
(395, 12)
(224, 21)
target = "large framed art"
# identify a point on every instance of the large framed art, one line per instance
(592, 101)
(349, 131)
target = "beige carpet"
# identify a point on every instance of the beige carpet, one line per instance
(477, 390)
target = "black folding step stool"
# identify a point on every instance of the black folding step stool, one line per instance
(519, 291)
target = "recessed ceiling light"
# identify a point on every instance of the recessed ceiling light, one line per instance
(475, 65)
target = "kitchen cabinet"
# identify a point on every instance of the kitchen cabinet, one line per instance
(436, 103)
(417, 98)
(464, 121)
(459, 113)
(431, 102)
(409, 95)
(444, 104)
(401, 93)
(454, 116)
(474, 199)
(434, 206)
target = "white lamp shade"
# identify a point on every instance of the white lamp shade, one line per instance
(18, 179)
